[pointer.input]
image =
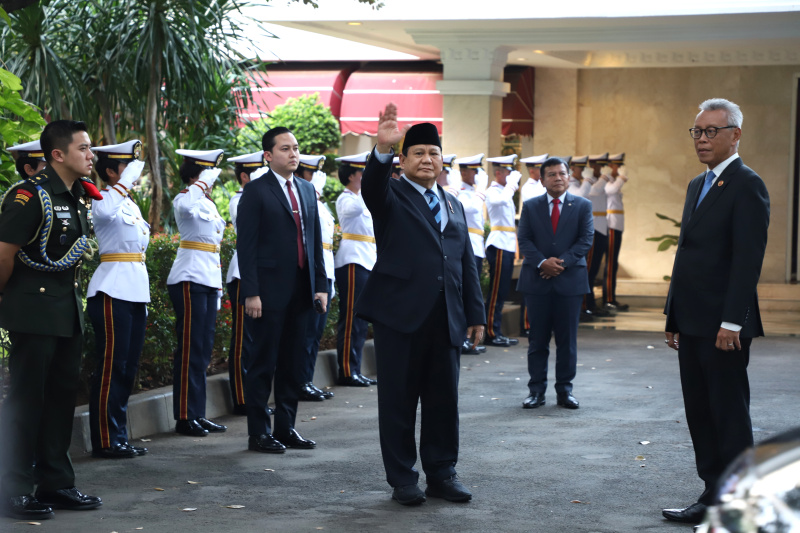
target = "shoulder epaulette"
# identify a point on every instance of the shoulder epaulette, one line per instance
(183, 191)
(238, 192)
(39, 178)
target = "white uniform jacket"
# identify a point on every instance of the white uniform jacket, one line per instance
(473, 202)
(502, 217)
(358, 236)
(120, 229)
(199, 224)
(233, 208)
(616, 211)
(531, 189)
(597, 194)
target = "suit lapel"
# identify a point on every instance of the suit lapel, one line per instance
(543, 212)
(418, 201)
(715, 191)
(567, 212)
(276, 189)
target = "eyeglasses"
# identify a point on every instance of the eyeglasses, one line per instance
(710, 132)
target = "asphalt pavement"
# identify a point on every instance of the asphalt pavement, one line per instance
(608, 467)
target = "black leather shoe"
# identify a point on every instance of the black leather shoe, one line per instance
(408, 495)
(211, 427)
(533, 401)
(472, 349)
(117, 451)
(71, 499)
(265, 444)
(693, 514)
(307, 393)
(326, 394)
(294, 440)
(191, 428)
(568, 400)
(240, 410)
(616, 306)
(586, 316)
(451, 489)
(369, 381)
(140, 450)
(498, 342)
(600, 312)
(26, 508)
(352, 381)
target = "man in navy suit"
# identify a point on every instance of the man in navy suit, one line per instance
(712, 305)
(282, 273)
(555, 234)
(423, 297)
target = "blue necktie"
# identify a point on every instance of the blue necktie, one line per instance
(706, 187)
(433, 203)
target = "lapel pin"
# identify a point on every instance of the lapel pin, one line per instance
(720, 183)
(450, 206)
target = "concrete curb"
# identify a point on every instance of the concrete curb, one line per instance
(151, 412)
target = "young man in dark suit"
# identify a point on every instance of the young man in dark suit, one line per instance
(712, 305)
(555, 234)
(282, 274)
(422, 296)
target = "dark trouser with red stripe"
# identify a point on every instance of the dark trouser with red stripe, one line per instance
(612, 265)
(351, 331)
(37, 413)
(195, 321)
(594, 260)
(241, 340)
(501, 266)
(119, 328)
(316, 327)
(418, 368)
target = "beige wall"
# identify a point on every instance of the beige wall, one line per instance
(646, 114)
(472, 125)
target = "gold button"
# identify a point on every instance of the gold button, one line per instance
(64, 229)
(218, 231)
(144, 232)
(79, 211)
(41, 289)
(76, 283)
(143, 248)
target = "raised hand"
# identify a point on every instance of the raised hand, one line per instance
(389, 133)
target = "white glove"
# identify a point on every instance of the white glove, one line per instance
(606, 170)
(623, 171)
(481, 180)
(131, 174)
(318, 180)
(258, 173)
(209, 176)
(587, 173)
(513, 179)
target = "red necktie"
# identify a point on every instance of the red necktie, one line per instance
(555, 214)
(301, 253)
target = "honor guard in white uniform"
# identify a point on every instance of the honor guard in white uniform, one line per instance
(241, 338)
(597, 194)
(354, 261)
(530, 189)
(195, 286)
(396, 170)
(444, 180)
(616, 224)
(29, 158)
(117, 299)
(579, 183)
(472, 195)
(501, 244)
(310, 169)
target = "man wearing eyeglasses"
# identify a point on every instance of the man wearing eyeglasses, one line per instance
(712, 306)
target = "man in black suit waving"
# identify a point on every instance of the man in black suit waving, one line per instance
(712, 306)
(421, 296)
(282, 274)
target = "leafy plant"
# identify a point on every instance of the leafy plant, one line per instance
(668, 240)
(19, 122)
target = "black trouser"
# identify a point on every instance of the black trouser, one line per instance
(559, 315)
(351, 332)
(418, 367)
(119, 328)
(195, 322)
(241, 340)
(716, 395)
(612, 266)
(38, 411)
(278, 339)
(316, 328)
(501, 268)
(594, 259)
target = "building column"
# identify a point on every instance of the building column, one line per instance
(555, 111)
(472, 92)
